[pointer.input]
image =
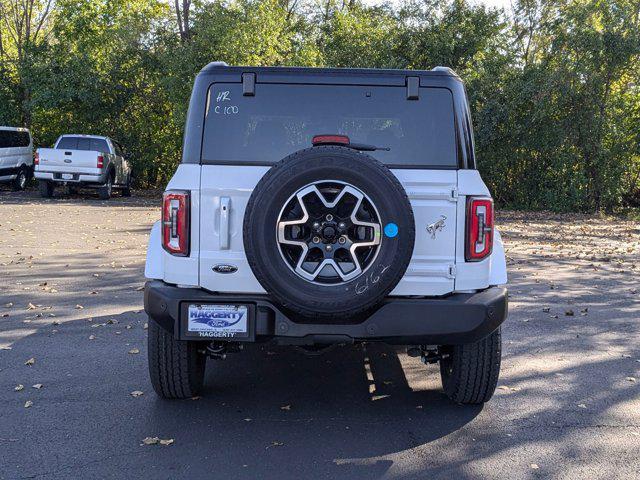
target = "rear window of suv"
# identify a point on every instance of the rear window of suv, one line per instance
(282, 119)
(83, 143)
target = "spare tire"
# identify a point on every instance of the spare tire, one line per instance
(328, 232)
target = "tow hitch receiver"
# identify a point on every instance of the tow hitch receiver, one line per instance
(427, 353)
(219, 350)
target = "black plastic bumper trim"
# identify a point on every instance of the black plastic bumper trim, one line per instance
(452, 320)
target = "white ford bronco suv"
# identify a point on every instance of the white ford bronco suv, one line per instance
(323, 206)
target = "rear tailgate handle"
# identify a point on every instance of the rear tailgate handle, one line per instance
(225, 206)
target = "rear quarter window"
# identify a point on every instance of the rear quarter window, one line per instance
(14, 139)
(282, 119)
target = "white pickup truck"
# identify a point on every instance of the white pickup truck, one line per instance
(83, 161)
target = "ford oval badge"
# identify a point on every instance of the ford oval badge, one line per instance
(223, 268)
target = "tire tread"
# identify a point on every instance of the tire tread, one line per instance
(476, 368)
(176, 368)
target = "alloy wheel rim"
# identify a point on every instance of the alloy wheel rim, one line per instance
(329, 232)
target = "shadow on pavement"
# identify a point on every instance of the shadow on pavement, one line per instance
(266, 410)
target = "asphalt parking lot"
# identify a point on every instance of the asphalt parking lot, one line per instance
(72, 325)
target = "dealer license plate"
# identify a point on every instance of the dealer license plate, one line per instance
(218, 320)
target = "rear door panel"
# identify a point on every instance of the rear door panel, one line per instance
(225, 192)
(433, 199)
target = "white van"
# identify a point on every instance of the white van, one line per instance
(16, 156)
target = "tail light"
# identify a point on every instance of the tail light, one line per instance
(479, 229)
(175, 222)
(36, 159)
(100, 161)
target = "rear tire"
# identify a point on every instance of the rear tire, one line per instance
(46, 188)
(105, 191)
(126, 191)
(20, 182)
(176, 367)
(470, 372)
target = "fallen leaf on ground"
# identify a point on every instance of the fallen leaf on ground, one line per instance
(18, 388)
(28, 403)
(133, 351)
(30, 362)
(79, 307)
(582, 405)
(8, 305)
(31, 306)
(137, 393)
(285, 407)
(630, 379)
(156, 441)
(92, 337)
(535, 466)
(37, 386)
(276, 444)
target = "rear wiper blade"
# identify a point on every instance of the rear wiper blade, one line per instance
(363, 147)
(344, 141)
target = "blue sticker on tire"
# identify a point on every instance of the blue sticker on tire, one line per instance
(391, 230)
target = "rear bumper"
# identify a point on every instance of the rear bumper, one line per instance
(77, 178)
(456, 319)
